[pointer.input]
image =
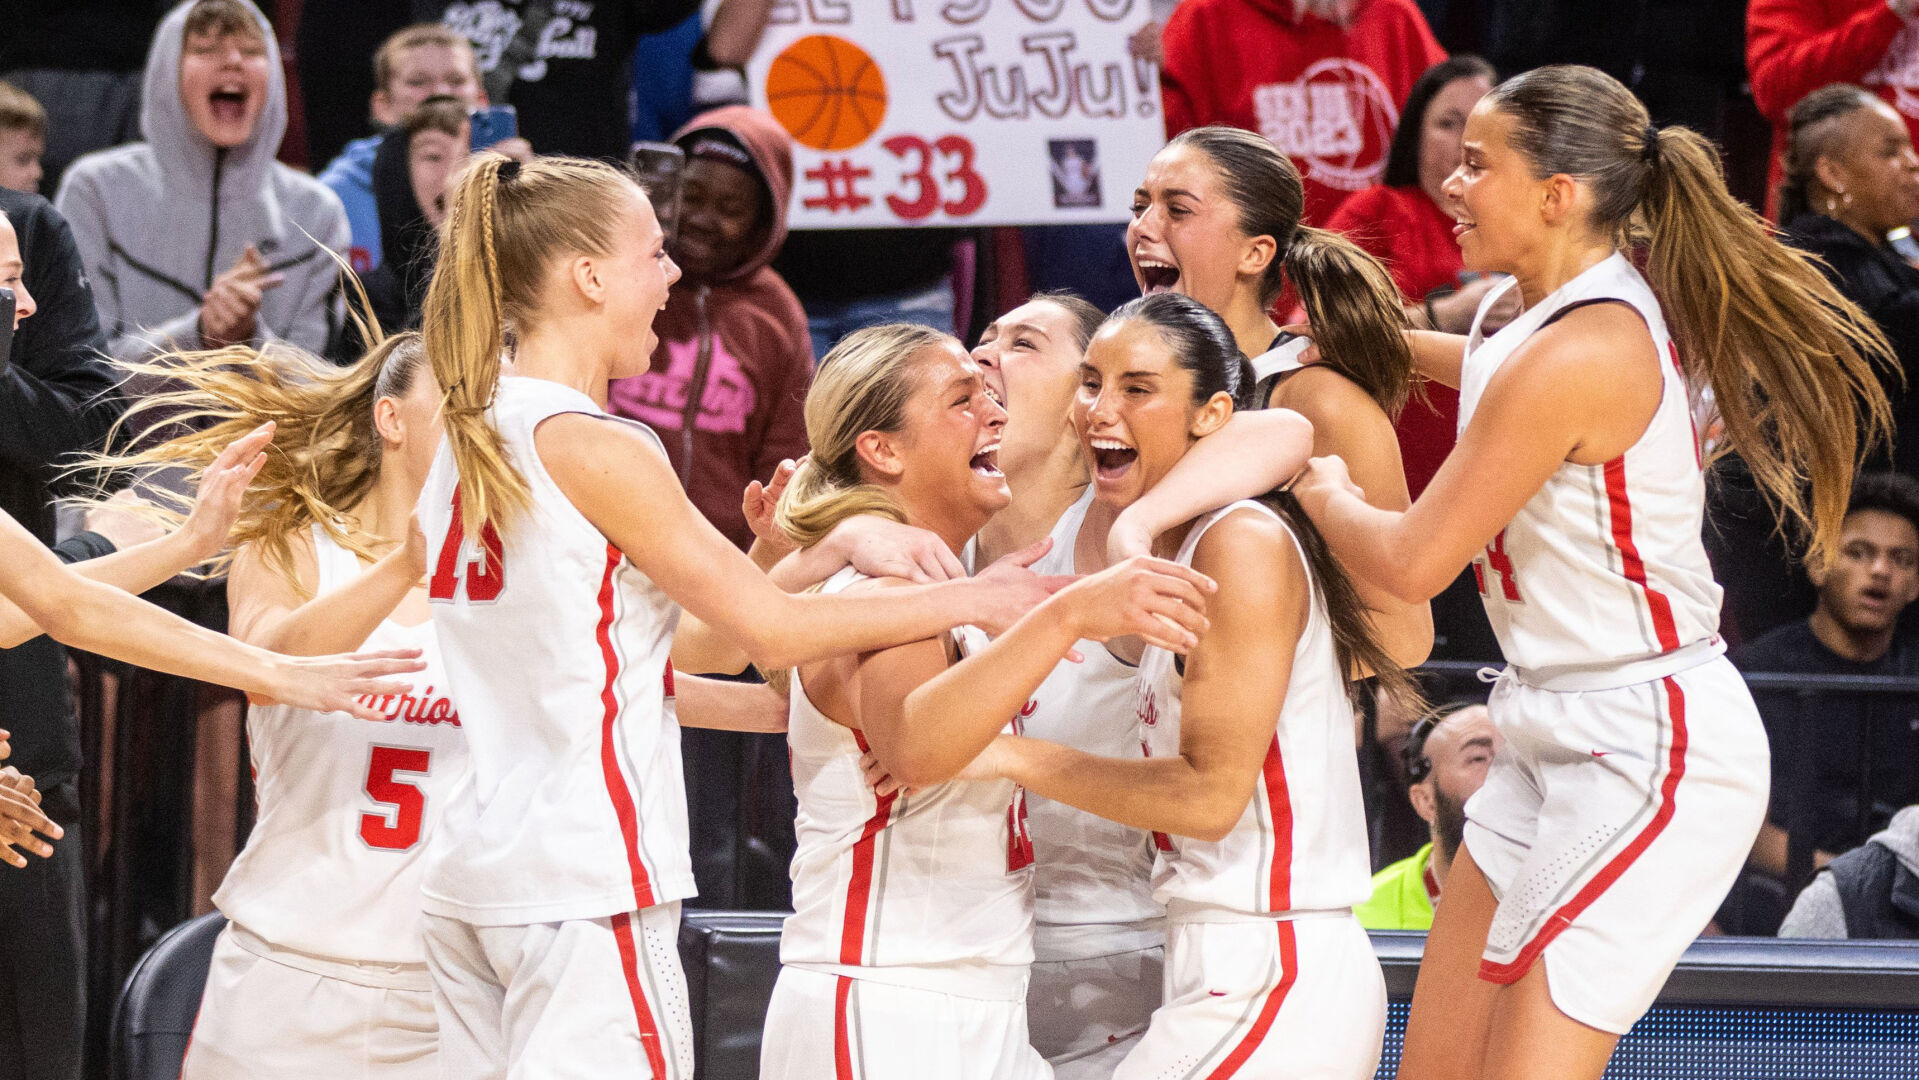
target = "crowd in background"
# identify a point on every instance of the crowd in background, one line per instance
(208, 171)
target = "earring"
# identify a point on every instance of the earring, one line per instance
(1845, 198)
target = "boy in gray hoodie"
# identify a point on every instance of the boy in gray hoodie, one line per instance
(197, 237)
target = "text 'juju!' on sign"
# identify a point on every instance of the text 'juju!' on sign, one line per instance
(960, 112)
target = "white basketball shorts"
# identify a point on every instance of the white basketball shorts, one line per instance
(1611, 826)
(1087, 1015)
(585, 998)
(1274, 999)
(269, 1012)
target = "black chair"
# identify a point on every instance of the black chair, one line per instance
(732, 959)
(153, 1020)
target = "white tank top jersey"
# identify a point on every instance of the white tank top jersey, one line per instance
(931, 888)
(1301, 843)
(1092, 878)
(1604, 565)
(556, 648)
(334, 863)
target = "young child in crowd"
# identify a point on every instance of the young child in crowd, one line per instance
(23, 138)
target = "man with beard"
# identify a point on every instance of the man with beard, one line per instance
(1862, 750)
(1446, 758)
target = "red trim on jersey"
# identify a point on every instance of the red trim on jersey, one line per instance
(1620, 505)
(642, 1012)
(1611, 872)
(1288, 973)
(1279, 889)
(859, 890)
(616, 790)
(842, 1034)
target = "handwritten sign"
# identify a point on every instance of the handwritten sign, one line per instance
(960, 112)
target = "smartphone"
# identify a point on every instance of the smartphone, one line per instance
(659, 167)
(492, 125)
(6, 325)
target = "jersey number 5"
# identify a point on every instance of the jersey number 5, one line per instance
(399, 828)
(483, 573)
(1497, 562)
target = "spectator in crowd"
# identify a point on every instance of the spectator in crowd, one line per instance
(566, 73)
(197, 237)
(410, 172)
(726, 393)
(1446, 759)
(1794, 47)
(730, 373)
(1870, 892)
(695, 65)
(81, 60)
(1323, 79)
(55, 400)
(1853, 631)
(1851, 177)
(23, 139)
(419, 62)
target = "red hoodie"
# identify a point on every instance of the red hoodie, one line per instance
(1329, 96)
(1794, 47)
(729, 377)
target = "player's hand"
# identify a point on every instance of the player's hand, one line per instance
(21, 818)
(1008, 589)
(223, 487)
(761, 500)
(882, 548)
(1310, 355)
(1322, 478)
(878, 778)
(6, 746)
(345, 683)
(1161, 602)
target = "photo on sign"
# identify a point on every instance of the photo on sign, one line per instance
(1075, 172)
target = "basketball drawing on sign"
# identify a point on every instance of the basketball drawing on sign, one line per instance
(827, 92)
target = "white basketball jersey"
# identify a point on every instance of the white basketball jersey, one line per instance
(1092, 878)
(334, 863)
(930, 888)
(1605, 564)
(556, 648)
(1301, 843)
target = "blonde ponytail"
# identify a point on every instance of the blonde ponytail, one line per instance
(1790, 360)
(505, 224)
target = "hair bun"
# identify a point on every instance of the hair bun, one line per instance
(1649, 153)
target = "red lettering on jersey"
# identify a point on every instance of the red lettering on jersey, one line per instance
(1149, 709)
(399, 828)
(1019, 838)
(1501, 564)
(427, 709)
(482, 573)
(1028, 709)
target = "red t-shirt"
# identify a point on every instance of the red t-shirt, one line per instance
(1408, 232)
(1327, 95)
(1794, 47)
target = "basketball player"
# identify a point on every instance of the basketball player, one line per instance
(1219, 217)
(1249, 781)
(1098, 934)
(912, 929)
(1634, 774)
(560, 548)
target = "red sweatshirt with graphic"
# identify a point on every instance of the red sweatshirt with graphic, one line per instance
(1794, 47)
(1327, 95)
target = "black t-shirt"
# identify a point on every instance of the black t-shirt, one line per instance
(566, 63)
(1840, 726)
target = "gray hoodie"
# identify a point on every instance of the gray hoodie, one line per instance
(157, 221)
(1819, 913)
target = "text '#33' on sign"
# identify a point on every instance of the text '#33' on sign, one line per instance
(959, 112)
